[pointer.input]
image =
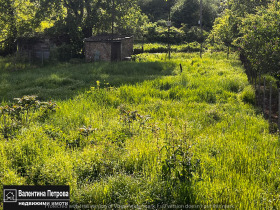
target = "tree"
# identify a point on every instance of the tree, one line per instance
(225, 30)
(187, 12)
(156, 9)
(8, 26)
(241, 7)
(69, 21)
(259, 39)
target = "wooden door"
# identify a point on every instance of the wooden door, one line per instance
(116, 51)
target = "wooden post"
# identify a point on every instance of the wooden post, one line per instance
(181, 68)
(270, 97)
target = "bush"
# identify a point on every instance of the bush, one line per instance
(194, 34)
(248, 95)
(62, 53)
(158, 32)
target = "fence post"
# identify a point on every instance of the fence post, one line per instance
(181, 68)
(270, 97)
(264, 87)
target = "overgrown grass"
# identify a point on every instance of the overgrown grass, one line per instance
(152, 136)
(161, 48)
(64, 81)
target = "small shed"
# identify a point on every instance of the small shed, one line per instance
(34, 47)
(108, 47)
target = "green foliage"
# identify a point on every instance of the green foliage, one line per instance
(66, 21)
(188, 12)
(17, 115)
(156, 9)
(241, 7)
(194, 34)
(229, 27)
(225, 29)
(161, 48)
(158, 32)
(248, 95)
(259, 42)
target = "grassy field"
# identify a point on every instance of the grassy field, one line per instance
(142, 133)
(183, 48)
(161, 48)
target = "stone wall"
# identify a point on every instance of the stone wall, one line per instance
(95, 51)
(101, 51)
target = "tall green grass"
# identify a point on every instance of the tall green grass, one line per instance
(159, 136)
(161, 48)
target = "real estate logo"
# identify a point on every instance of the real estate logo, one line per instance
(10, 195)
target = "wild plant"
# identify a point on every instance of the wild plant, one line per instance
(177, 165)
(128, 117)
(18, 114)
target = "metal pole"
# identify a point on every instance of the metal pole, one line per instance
(255, 78)
(264, 87)
(279, 110)
(42, 54)
(259, 89)
(143, 44)
(113, 18)
(168, 43)
(200, 22)
(270, 97)
(169, 19)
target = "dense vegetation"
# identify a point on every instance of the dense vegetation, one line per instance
(68, 22)
(253, 29)
(142, 133)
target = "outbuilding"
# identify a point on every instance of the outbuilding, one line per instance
(34, 48)
(108, 48)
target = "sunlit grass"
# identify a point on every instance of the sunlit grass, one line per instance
(207, 110)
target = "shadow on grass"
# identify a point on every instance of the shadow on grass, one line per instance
(63, 81)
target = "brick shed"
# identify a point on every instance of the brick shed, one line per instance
(108, 47)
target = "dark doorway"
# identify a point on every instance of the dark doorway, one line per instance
(116, 51)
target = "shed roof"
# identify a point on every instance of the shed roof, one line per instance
(106, 38)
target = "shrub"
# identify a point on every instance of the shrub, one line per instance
(158, 32)
(248, 95)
